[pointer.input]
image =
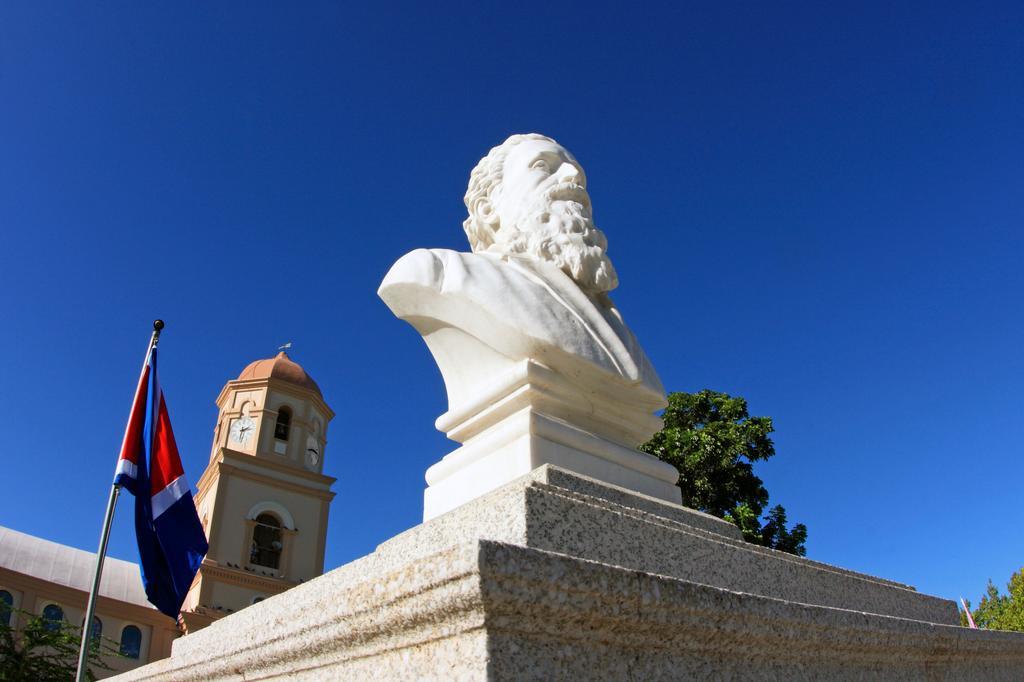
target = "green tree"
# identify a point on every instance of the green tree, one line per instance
(1001, 611)
(44, 651)
(713, 442)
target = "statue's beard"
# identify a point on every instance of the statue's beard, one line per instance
(559, 229)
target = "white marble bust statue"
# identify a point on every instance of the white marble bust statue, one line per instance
(538, 364)
(539, 264)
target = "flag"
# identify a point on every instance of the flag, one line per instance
(170, 537)
(970, 618)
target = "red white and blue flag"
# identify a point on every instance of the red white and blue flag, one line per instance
(171, 540)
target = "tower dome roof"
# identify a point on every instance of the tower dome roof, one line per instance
(280, 367)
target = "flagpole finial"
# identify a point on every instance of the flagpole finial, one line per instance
(158, 325)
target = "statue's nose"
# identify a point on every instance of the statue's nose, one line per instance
(567, 172)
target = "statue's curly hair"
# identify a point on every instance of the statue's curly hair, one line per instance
(482, 222)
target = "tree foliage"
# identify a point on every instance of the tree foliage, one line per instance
(1001, 611)
(44, 651)
(713, 442)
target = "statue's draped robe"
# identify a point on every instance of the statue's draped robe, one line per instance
(522, 307)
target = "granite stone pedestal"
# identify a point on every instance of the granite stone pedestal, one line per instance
(557, 576)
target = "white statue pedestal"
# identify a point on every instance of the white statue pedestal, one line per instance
(529, 416)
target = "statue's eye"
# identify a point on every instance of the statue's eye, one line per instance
(539, 164)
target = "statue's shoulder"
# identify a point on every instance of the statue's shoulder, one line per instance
(422, 266)
(436, 268)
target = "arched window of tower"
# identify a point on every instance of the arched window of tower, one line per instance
(284, 423)
(267, 542)
(276, 509)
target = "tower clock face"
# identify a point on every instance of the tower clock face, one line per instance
(242, 430)
(312, 452)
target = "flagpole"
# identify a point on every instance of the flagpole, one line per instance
(115, 489)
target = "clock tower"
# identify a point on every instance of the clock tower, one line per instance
(262, 500)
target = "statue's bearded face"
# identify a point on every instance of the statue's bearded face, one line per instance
(543, 210)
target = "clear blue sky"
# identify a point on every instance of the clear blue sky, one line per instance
(820, 209)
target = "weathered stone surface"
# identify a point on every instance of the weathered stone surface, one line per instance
(558, 577)
(562, 512)
(554, 617)
(354, 623)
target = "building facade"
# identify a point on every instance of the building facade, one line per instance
(52, 580)
(263, 502)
